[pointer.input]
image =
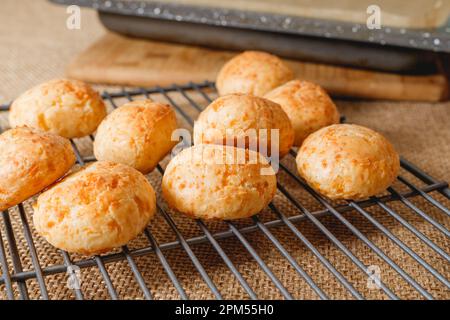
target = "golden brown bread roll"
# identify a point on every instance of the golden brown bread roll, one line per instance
(252, 72)
(236, 117)
(307, 105)
(137, 134)
(345, 161)
(30, 160)
(100, 207)
(218, 182)
(69, 108)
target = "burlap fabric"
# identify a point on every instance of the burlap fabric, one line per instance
(36, 46)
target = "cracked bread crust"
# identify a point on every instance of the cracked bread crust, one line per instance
(235, 116)
(100, 207)
(137, 134)
(307, 105)
(30, 160)
(205, 182)
(346, 161)
(69, 108)
(253, 72)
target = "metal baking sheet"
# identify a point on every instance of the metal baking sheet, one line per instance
(428, 39)
(312, 49)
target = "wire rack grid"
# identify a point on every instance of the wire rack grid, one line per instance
(15, 278)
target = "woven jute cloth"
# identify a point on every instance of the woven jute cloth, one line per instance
(36, 46)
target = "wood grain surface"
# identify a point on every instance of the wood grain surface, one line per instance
(116, 59)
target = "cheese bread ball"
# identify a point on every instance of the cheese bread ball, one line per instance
(253, 72)
(218, 182)
(242, 119)
(30, 160)
(307, 105)
(100, 207)
(69, 108)
(345, 161)
(137, 134)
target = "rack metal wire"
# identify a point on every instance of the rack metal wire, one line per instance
(15, 281)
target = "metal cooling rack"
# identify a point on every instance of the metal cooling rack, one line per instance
(17, 276)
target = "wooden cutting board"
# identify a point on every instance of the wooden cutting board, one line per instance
(119, 60)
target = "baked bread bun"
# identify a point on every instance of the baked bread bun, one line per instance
(69, 108)
(218, 182)
(252, 72)
(239, 119)
(345, 161)
(137, 134)
(30, 160)
(100, 207)
(307, 105)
